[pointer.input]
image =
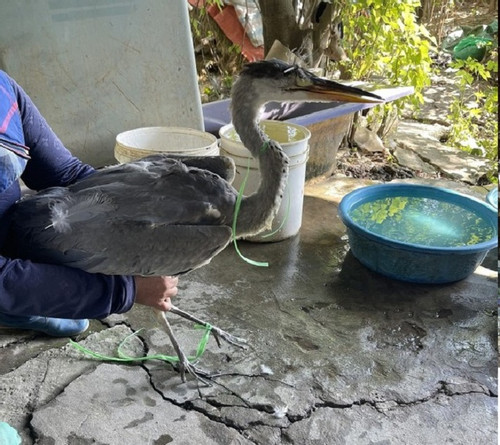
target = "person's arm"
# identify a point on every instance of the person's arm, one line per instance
(51, 163)
(28, 288)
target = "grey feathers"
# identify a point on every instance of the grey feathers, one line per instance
(65, 213)
(156, 216)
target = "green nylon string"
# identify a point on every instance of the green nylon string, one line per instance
(284, 219)
(264, 147)
(236, 212)
(124, 358)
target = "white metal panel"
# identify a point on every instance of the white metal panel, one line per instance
(96, 68)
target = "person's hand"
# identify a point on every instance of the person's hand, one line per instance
(155, 292)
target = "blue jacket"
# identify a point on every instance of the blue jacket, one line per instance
(30, 150)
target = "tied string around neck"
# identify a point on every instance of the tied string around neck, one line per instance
(237, 206)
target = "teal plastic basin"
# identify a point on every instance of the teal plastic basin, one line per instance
(492, 198)
(426, 260)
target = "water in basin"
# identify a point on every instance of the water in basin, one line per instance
(423, 221)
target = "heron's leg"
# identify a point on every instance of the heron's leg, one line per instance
(184, 364)
(217, 332)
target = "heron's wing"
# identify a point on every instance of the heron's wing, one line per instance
(163, 192)
(220, 165)
(154, 216)
(156, 167)
(131, 248)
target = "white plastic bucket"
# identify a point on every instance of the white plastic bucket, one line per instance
(135, 144)
(294, 141)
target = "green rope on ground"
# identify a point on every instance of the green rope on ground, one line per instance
(124, 358)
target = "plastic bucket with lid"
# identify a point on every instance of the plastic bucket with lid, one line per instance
(293, 139)
(178, 141)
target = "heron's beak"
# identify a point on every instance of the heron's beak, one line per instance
(319, 88)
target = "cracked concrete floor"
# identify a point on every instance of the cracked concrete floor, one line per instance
(338, 355)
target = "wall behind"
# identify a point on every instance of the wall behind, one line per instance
(96, 68)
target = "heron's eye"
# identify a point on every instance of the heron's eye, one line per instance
(303, 81)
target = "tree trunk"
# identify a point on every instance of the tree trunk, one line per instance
(279, 23)
(314, 37)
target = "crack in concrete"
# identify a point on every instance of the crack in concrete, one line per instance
(382, 406)
(29, 429)
(474, 388)
(190, 406)
(18, 341)
(33, 403)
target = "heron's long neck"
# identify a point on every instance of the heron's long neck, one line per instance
(258, 209)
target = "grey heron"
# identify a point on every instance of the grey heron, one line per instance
(168, 216)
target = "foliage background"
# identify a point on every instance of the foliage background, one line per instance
(397, 43)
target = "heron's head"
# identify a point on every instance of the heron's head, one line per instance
(275, 80)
